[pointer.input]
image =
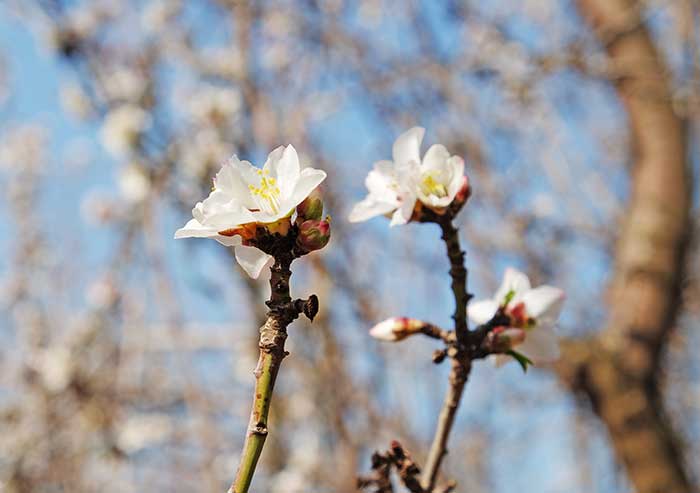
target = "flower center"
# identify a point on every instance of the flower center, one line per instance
(267, 195)
(430, 186)
(519, 317)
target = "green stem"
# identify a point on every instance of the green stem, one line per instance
(272, 337)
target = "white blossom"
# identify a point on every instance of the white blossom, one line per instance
(134, 183)
(245, 196)
(143, 430)
(55, 367)
(215, 105)
(123, 128)
(395, 186)
(74, 101)
(535, 310)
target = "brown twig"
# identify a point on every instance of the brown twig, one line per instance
(461, 358)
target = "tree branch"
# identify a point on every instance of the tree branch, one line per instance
(618, 371)
(461, 357)
(282, 311)
(458, 379)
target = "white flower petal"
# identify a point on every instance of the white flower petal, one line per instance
(436, 158)
(541, 345)
(220, 212)
(194, 229)
(248, 172)
(309, 179)
(285, 168)
(228, 241)
(369, 208)
(407, 146)
(229, 181)
(456, 165)
(544, 303)
(481, 311)
(252, 260)
(382, 180)
(404, 212)
(513, 280)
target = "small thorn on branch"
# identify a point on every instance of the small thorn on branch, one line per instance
(439, 356)
(308, 307)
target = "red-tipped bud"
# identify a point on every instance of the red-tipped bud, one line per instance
(314, 235)
(396, 328)
(311, 207)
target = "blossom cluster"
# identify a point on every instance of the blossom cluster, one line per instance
(247, 204)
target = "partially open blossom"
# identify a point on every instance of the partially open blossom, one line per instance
(396, 328)
(313, 235)
(396, 186)
(533, 312)
(245, 198)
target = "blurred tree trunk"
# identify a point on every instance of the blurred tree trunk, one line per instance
(620, 371)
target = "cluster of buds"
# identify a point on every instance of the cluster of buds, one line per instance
(314, 232)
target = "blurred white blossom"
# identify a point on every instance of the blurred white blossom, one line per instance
(123, 128)
(533, 310)
(144, 430)
(134, 183)
(55, 367)
(74, 101)
(214, 105)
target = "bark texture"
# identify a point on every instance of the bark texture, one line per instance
(619, 371)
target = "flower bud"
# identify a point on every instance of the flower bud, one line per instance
(502, 339)
(314, 234)
(311, 207)
(396, 328)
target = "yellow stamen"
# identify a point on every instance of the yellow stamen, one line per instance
(430, 186)
(268, 192)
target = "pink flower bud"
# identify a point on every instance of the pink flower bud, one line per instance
(311, 207)
(314, 235)
(396, 328)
